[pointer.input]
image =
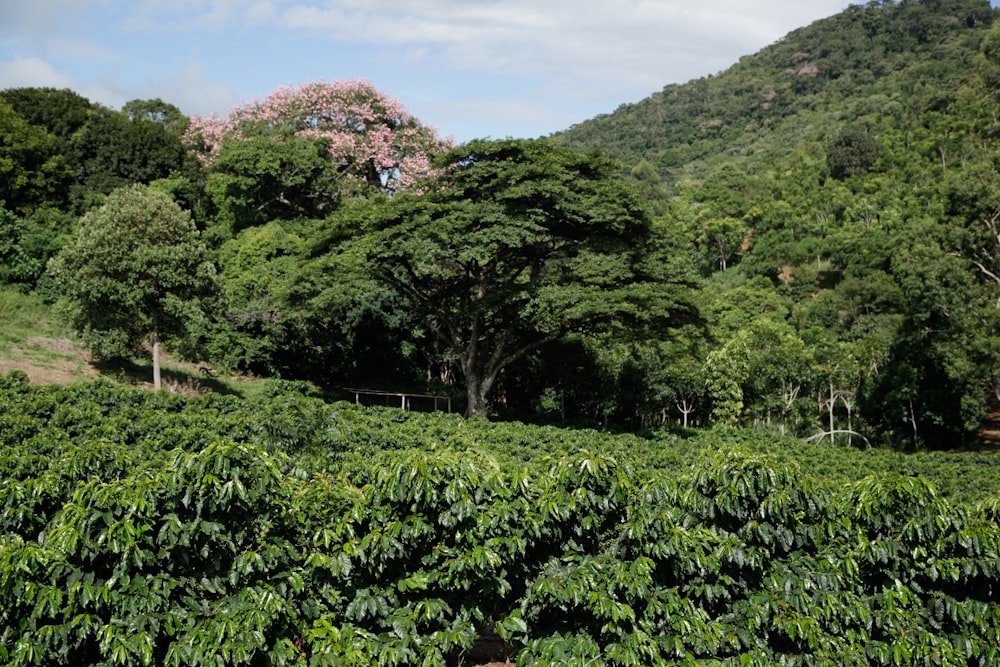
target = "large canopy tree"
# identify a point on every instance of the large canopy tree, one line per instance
(294, 153)
(514, 244)
(137, 272)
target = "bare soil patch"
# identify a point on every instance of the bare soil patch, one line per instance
(61, 361)
(49, 360)
(63, 346)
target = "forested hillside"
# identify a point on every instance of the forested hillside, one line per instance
(873, 66)
(806, 243)
(838, 191)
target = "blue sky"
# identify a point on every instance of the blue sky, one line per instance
(471, 68)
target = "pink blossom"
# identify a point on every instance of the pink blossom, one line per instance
(366, 132)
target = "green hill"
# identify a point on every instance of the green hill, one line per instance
(837, 190)
(875, 66)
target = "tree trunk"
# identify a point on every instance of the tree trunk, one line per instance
(156, 362)
(830, 406)
(685, 407)
(475, 398)
(480, 373)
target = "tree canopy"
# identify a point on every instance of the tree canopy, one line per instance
(368, 136)
(136, 273)
(514, 244)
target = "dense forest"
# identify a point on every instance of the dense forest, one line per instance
(807, 243)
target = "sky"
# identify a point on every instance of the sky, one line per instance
(470, 68)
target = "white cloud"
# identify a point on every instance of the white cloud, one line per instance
(522, 62)
(632, 40)
(37, 73)
(199, 14)
(22, 72)
(190, 90)
(583, 57)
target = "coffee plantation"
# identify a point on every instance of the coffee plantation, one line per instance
(141, 528)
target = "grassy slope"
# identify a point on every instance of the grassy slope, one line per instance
(33, 340)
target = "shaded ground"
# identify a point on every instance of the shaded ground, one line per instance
(488, 651)
(989, 432)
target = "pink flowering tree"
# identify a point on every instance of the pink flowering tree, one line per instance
(336, 138)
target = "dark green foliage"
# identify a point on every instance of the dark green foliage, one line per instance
(852, 153)
(840, 181)
(34, 171)
(27, 243)
(73, 151)
(60, 112)
(114, 149)
(515, 244)
(157, 111)
(259, 179)
(137, 271)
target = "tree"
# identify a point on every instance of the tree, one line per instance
(69, 151)
(258, 267)
(650, 185)
(853, 152)
(136, 272)
(257, 181)
(759, 372)
(720, 238)
(33, 172)
(660, 379)
(115, 148)
(60, 112)
(157, 111)
(27, 243)
(939, 373)
(514, 244)
(369, 139)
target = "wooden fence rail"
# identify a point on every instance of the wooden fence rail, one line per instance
(404, 401)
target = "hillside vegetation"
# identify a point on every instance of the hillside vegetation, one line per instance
(874, 66)
(838, 191)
